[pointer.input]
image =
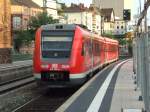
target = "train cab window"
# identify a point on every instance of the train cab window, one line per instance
(56, 44)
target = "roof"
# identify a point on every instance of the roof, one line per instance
(106, 13)
(28, 3)
(75, 8)
(95, 9)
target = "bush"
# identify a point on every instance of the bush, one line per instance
(22, 37)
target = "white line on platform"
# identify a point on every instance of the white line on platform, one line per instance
(63, 107)
(97, 101)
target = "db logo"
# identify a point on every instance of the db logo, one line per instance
(54, 66)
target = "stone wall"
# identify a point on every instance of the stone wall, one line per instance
(5, 55)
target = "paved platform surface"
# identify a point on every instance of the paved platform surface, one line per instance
(124, 95)
(111, 90)
(16, 64)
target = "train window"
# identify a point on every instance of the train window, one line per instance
(56, 44)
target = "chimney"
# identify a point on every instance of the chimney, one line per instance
(81, 5)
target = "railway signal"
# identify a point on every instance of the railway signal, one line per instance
(127, 14)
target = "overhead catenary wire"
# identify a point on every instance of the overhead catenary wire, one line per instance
(143, 14)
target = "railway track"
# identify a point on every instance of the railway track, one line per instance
(16, 83)
(48, 102)
(15, 72)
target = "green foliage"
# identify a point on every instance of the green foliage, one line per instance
(109, 36)
(61, 11)
(41, 19)
(26, 36)
(22, 37)
(122, 41)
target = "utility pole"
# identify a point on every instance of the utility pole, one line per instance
(44, 5)
(145, 22)
(140, 9)
(142, 15)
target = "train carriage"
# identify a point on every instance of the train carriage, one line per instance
(65, 55)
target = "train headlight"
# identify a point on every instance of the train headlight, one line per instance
(44, 66)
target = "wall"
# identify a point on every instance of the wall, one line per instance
(5, 32)
(23, 13)
(52, 7)
(109, 27)
(119, 27)
(84, 18)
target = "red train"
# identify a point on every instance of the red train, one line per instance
(65, 55)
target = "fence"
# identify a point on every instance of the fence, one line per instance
(141, 59)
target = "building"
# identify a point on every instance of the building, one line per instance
(79, 14)
(108, 21)
(96, 19)
(21, 11)
(117, 5)
(5, 32)
(120, 27)
(52, 7)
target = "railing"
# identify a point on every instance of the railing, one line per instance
(141, 54)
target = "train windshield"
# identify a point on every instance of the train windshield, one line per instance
(56, 44)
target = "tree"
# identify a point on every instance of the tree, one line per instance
(41, 19)
(22, 37)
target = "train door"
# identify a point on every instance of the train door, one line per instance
(92, 55)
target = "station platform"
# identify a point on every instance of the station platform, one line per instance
(15, 71)
(16, 64)
(111, 90)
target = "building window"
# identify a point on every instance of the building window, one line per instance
(117, 27)
(121, 27)
(16, 22)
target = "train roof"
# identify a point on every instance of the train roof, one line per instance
(59, 27)
(62, 26)
(71, 27)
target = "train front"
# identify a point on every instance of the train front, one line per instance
(52, 56)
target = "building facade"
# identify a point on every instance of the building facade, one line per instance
(52, 7)
(78, 14)
(96, 19)
(22, 11)
(108, 21)
(5, 32)
(120, 27)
